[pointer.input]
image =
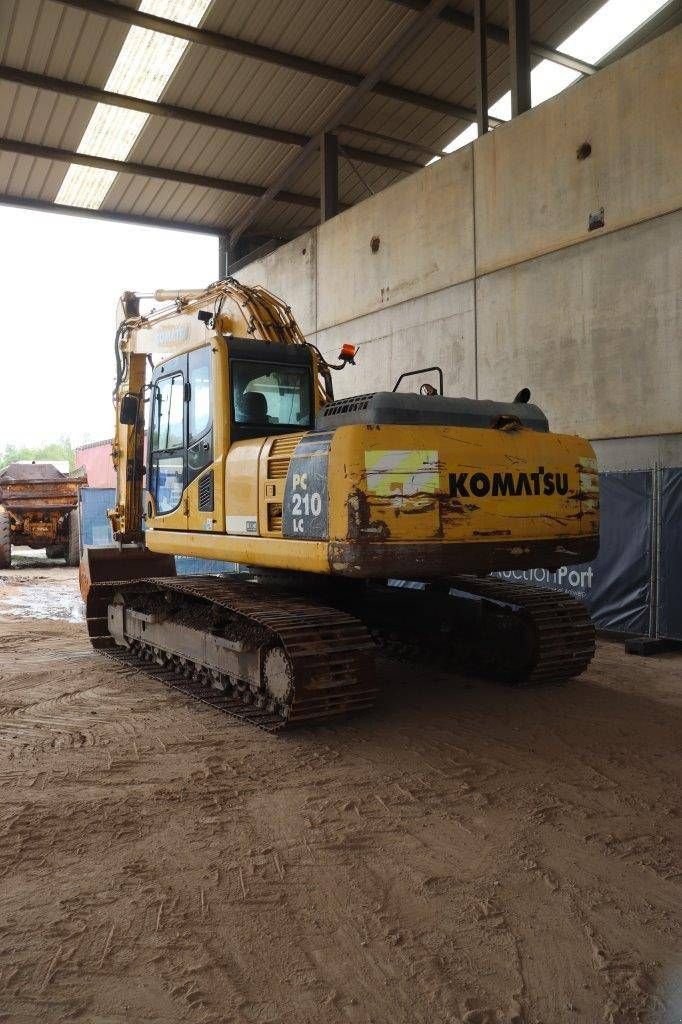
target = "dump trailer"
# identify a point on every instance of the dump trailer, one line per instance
(39, 509)
(325, 504)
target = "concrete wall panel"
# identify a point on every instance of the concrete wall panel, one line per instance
(425, 228)
(533, 195)
(615, 454)
(290, 272)
(593, 330)
(589, 320)
(435, 329)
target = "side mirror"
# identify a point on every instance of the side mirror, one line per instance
(129, 411)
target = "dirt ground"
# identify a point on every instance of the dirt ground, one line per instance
(465, 853)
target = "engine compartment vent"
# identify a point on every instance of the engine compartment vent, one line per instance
(345, 405)
(206, 492)
(282, 449)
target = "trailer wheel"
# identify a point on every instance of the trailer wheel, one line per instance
(5, 540)
(73, 548)
(55, 551)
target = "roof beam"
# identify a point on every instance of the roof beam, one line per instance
(67, 156)
(205, 37)
(347, 108)
(46, 206)
(157, 109)
(500, 35)
(418, 147)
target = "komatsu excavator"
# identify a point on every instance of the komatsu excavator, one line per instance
(324, 504)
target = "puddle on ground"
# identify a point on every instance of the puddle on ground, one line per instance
(54, 601)
(25, 594)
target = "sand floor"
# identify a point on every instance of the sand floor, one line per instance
(464, 853)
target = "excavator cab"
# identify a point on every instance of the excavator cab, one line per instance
(207, 400)
(271, 389)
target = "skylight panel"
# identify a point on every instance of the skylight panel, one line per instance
(596, 37)
(143, 68)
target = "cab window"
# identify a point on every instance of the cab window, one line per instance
(271, 395)
(200, 392)
(168, 433)
(168, 414)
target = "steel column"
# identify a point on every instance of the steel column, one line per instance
(329, 176)
(224, 256)
(500, 35)
(347, 109)
(481, 62)
(519, 55)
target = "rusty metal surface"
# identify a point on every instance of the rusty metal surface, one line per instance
(433, 560)
(39, 498)
(37, 472)
(33, 486)
(115, 563)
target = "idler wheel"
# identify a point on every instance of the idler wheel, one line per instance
(278, 675)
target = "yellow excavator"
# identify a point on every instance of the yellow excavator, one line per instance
(330, 507)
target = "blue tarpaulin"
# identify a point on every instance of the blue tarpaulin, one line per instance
(616, 586)
(670, 561)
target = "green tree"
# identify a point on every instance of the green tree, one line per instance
(56, 451)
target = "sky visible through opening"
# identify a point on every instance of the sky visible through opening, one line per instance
(61, 279)
(596, 37)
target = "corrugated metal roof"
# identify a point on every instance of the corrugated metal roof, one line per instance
(50, 38)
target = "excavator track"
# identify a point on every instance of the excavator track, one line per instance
(313, 662)
(521, 635)
(561, 633)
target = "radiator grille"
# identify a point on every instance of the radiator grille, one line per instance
(275, 517)
(206, 492)
(343, 405)
(280, 455)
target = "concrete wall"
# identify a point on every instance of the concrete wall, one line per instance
(424, 227)
(485, 264)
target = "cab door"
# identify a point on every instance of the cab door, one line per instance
(167, 509)
(185, 467)
(204, 478)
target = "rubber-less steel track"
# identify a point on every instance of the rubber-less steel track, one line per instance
(522, 635)
(198, 689)
(330, 654)
(559, 628)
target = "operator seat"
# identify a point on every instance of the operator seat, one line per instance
(254, 407)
